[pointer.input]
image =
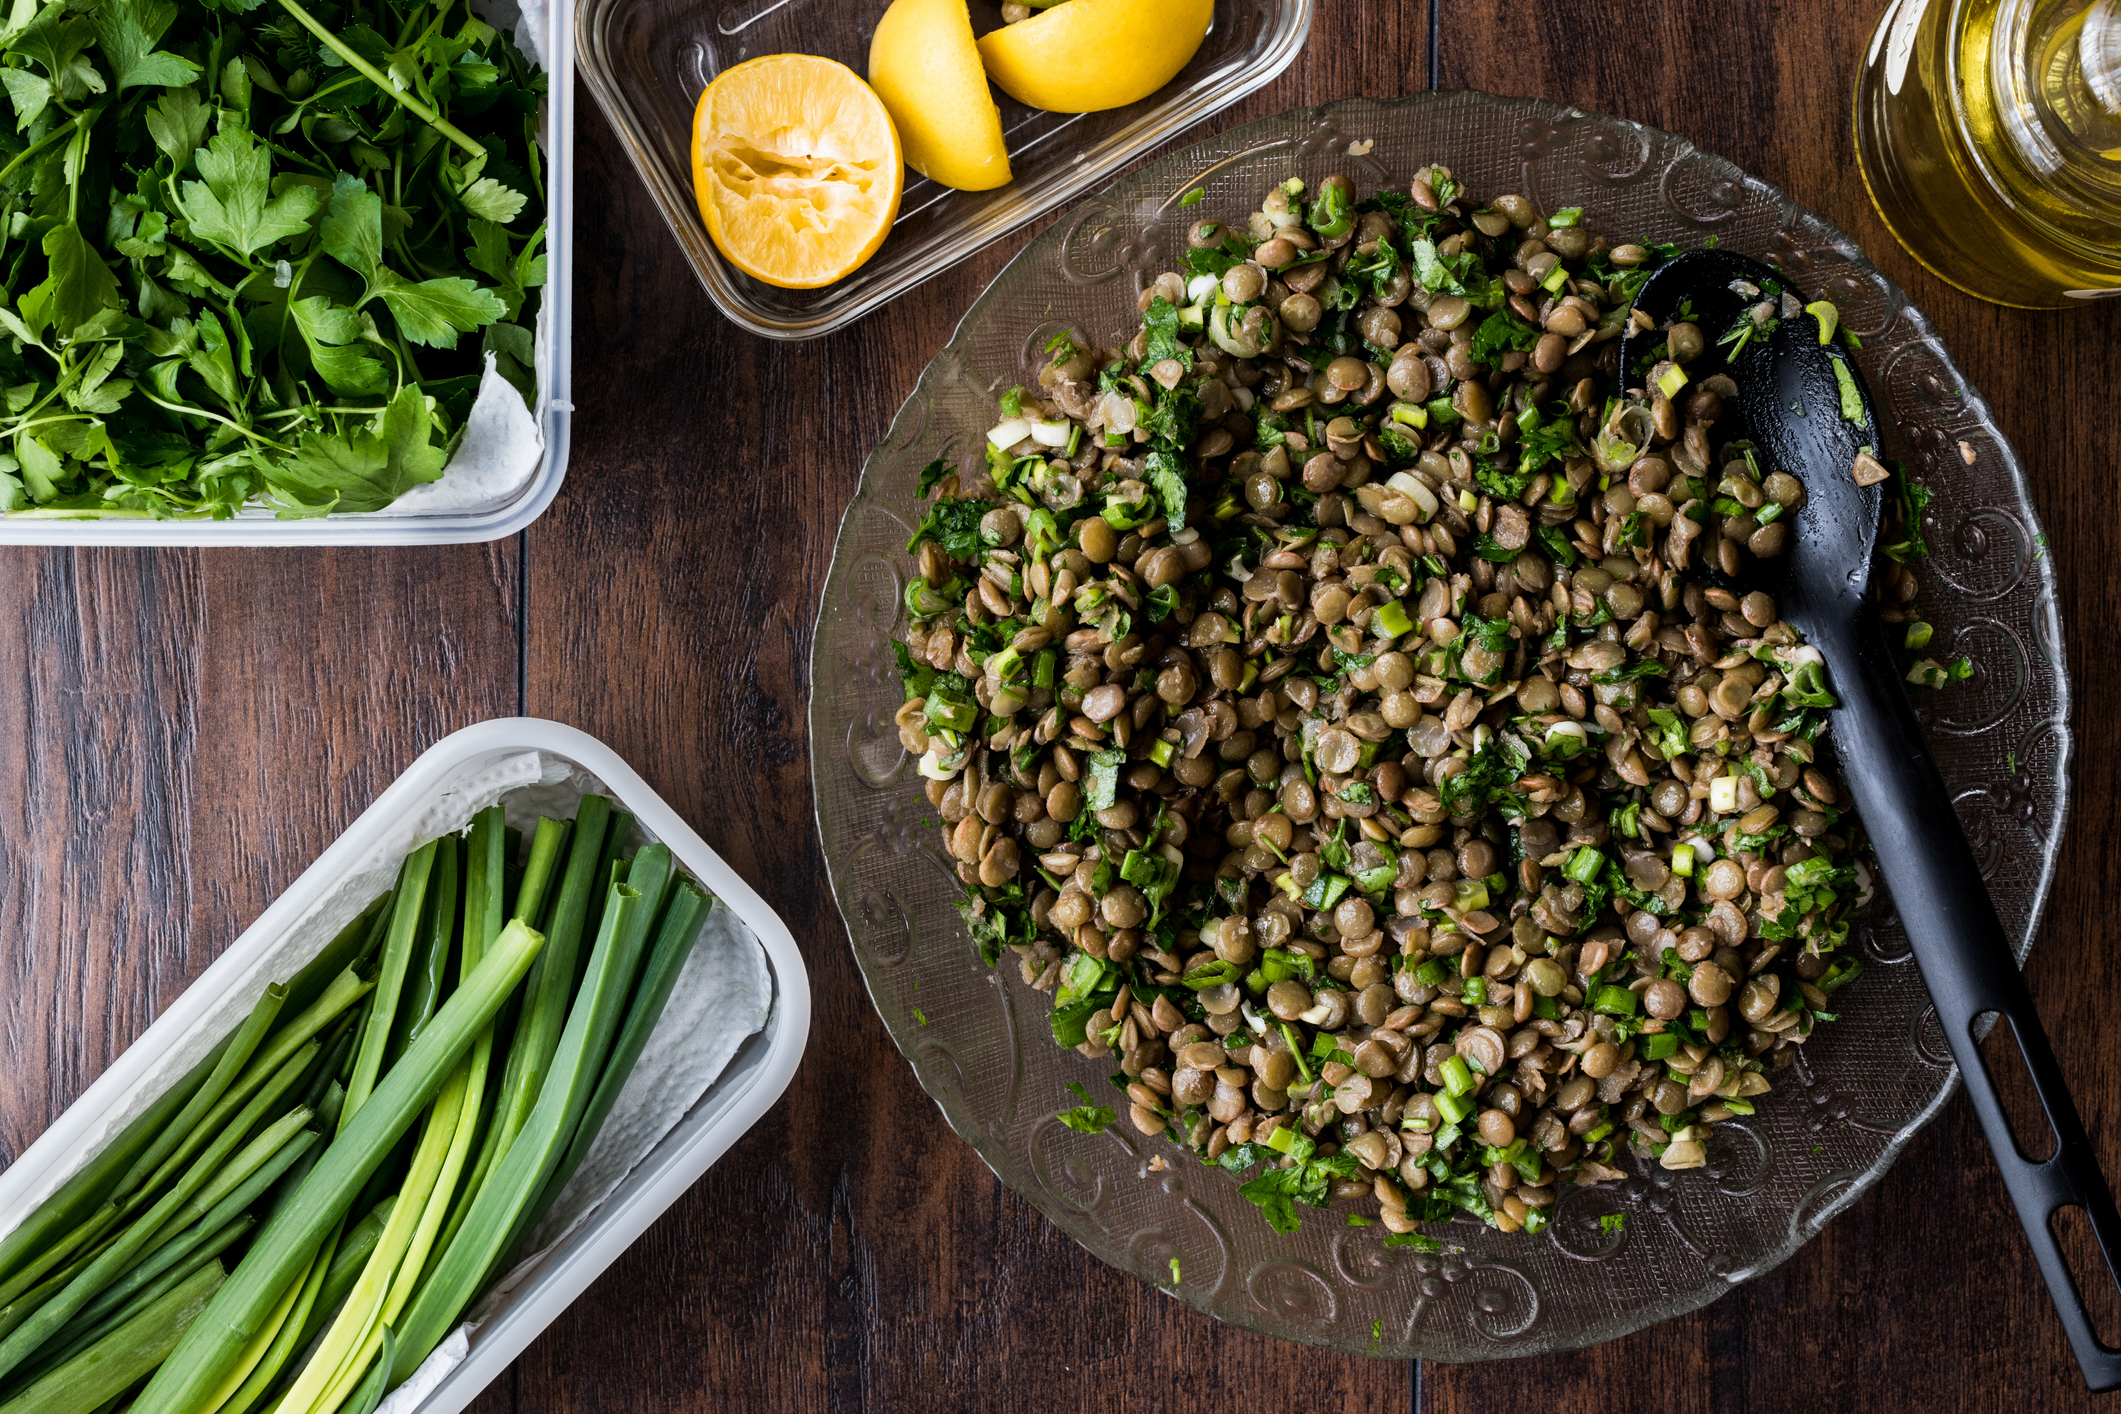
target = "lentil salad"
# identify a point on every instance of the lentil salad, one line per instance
(1338, 701)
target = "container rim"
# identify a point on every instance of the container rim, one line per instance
(1151, 129)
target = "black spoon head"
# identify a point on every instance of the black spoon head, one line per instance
(1802, 404)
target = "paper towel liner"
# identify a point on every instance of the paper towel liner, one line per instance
(502, 444)
(722, 996)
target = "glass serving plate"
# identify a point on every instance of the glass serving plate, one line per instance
(648, 60)
(1837, 1118)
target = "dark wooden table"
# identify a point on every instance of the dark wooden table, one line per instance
(185, 730)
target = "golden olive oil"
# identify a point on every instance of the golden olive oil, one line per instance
(1989, 135)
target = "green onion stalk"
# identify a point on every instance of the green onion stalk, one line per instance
(607, 1028)
(296, 1224)
(505, 1205)
(200, 1364)
(94, 1378)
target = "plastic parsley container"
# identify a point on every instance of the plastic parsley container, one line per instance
(647, 61)
(486, 502)
(553, 766)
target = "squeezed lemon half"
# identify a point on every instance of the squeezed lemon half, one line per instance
(797, 168)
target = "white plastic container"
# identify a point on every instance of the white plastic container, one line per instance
(455, 767)
(397, 525)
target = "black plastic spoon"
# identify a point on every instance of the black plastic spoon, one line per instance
(1790, 402)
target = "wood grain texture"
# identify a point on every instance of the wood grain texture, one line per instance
(1927, 1277)
(850, 1253)
(188, 730)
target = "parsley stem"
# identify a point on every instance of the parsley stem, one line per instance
(293, 156)
(203, 412)
(100, 513)
(43, 421)
(374, 75)
(405, 353)
(325, 92)
(39, 145)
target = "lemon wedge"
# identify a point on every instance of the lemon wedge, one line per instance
(797, 169)
(927, 70)
(1084, 56)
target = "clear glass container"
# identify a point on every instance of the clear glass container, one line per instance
(978, 1040)
(647, 61)
(1989, 135)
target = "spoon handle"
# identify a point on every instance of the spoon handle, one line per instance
(1967, 961)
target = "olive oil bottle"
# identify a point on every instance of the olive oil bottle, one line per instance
(1989, 135)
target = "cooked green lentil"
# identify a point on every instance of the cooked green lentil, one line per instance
(1336, 701)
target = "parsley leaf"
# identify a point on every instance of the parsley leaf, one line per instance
(126, 32)
(1557, 544)
(994, 928)
(78, 289)
(1104, 780)
(333, 337)
(1309, 1181)
(1419, 1241)
(1373, 273)
(1460, 274)
(1170, 424)
(954, 525)
(1552, 440)
(515, 272)
(55, 39)
(363, 469)
(932, 476)
(434, 312)
(1501, 484)
(1491, 634)
(1167, 474)
(1086, 1118)
(177, 123)
(1673, 737)
(1642, 668)
(488, 199)
(352, 230)
(233, 206)
(1217, 260)
(915, 676)
(1486, 781)
(1499, 331)
(1160, 323)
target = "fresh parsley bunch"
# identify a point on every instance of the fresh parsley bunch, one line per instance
(255, 253)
